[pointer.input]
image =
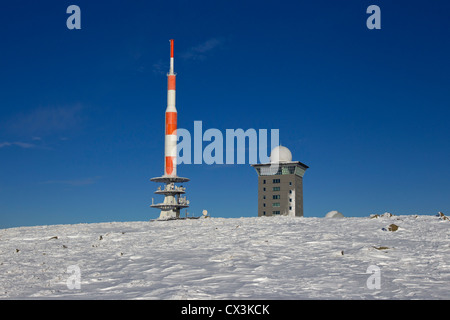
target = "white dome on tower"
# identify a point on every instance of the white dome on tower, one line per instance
(280, 154)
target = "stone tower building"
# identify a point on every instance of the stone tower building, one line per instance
(280, 184)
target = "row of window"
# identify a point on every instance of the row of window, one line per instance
(276, 212)
(282, 170)
(276, 204)
(276, 181)
(277, 189)
(273, 212)
(274, 197)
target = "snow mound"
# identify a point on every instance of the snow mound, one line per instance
(334, 214)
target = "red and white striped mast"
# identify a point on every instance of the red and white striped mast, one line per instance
(173, 202)
(170, 150)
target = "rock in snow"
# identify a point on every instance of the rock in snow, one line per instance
(228, 258)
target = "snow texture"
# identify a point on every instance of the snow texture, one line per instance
(230, 258)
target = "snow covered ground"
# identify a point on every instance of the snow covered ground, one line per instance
(229, 258)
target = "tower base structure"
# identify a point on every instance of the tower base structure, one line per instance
(173, 199)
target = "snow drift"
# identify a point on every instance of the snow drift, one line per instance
(334, 214)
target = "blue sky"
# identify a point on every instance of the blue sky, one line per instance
(82, 111)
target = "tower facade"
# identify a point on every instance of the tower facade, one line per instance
(173, 199)
(280, 187)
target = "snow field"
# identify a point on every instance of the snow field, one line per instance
(229, 258)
